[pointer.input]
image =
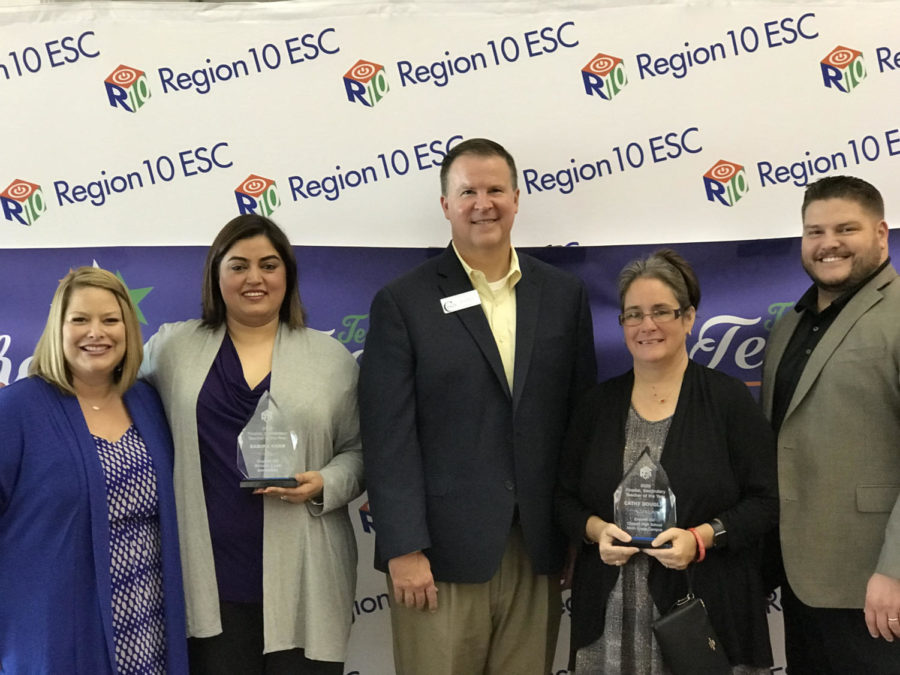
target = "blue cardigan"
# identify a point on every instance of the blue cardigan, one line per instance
(55, 593)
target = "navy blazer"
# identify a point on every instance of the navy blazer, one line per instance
(450, 453)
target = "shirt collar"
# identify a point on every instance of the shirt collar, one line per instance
(512, 276)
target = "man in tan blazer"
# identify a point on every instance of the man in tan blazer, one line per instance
(831, 387)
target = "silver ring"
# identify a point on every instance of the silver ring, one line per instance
(283, 498)
(893, 619)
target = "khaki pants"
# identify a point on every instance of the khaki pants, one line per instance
(507, 626)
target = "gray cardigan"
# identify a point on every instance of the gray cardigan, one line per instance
(309, 551)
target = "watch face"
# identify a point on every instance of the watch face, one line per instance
(718, 531)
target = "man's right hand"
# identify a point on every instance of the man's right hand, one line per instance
(413, 583)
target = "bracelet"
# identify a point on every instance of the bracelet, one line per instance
(701, 549)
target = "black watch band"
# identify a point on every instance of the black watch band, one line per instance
(720, 534)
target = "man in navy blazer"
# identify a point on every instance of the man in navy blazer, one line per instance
(472, 364)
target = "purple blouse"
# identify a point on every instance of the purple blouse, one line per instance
(225, 405)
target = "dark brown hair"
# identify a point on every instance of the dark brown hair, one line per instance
(246, 226)
(845, 187)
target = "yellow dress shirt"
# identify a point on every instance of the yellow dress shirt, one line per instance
(498, 300)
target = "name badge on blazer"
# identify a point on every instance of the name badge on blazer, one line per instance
(454, 303)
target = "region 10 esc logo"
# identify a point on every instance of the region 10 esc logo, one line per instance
(604, 76)
(366, 83)
(23, 202)
(725, 183)
(843, 69)
(258, 195)
(127, 88)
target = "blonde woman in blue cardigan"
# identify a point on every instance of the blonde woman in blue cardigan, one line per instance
(90, 579)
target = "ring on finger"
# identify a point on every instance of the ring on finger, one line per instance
(893, 619)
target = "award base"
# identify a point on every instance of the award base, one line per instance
(254, 483)
(640, 542)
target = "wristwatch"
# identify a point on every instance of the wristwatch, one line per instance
(720, 535)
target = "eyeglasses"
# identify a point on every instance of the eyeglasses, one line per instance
(635, 317)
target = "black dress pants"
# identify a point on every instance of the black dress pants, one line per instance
(238, 649)
(825, 641)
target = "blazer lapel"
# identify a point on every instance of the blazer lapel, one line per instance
(452, 281)
(778, 341)
(864, 299)
(528, 300)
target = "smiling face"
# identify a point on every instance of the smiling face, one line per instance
(652, 343)
(480, 204)
(93, 335)
(842, 244)
(252, 281)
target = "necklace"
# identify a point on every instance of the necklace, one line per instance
(659, 396)
(102, 403)
(661, 399)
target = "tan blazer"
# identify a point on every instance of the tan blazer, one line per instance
(839, 450)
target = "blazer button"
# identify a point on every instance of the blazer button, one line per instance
(509, 484)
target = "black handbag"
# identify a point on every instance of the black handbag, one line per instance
(687, 640)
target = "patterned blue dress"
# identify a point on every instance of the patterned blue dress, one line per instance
(135, 561)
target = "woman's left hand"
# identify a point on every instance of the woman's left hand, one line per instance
(309, 486)
(682, 553)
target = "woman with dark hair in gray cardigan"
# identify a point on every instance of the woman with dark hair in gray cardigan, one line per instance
(269, 575)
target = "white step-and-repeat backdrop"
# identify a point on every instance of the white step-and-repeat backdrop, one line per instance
(133, 132)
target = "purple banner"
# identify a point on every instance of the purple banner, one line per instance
(746, 286)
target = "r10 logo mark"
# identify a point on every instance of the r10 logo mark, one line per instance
(843, 69)
(257, 195)
(23, 202)
(366, 83)
(127, 87)
(604, 76)
(726, 182)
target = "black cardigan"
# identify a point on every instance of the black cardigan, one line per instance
(720, 458)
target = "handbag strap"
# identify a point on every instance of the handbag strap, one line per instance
(689, 573)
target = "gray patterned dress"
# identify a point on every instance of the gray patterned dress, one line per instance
(627, 644)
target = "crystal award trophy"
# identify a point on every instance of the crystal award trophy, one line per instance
(643, 503)
(267, 448)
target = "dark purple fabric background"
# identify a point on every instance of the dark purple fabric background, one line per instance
(742, 282)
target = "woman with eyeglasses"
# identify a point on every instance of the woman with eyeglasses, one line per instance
(708, 434)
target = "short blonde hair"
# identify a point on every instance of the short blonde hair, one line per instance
(49, 361)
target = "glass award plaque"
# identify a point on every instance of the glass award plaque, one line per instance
(643, 504)
(267, 448)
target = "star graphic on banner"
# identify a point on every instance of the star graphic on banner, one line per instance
(136, 295)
